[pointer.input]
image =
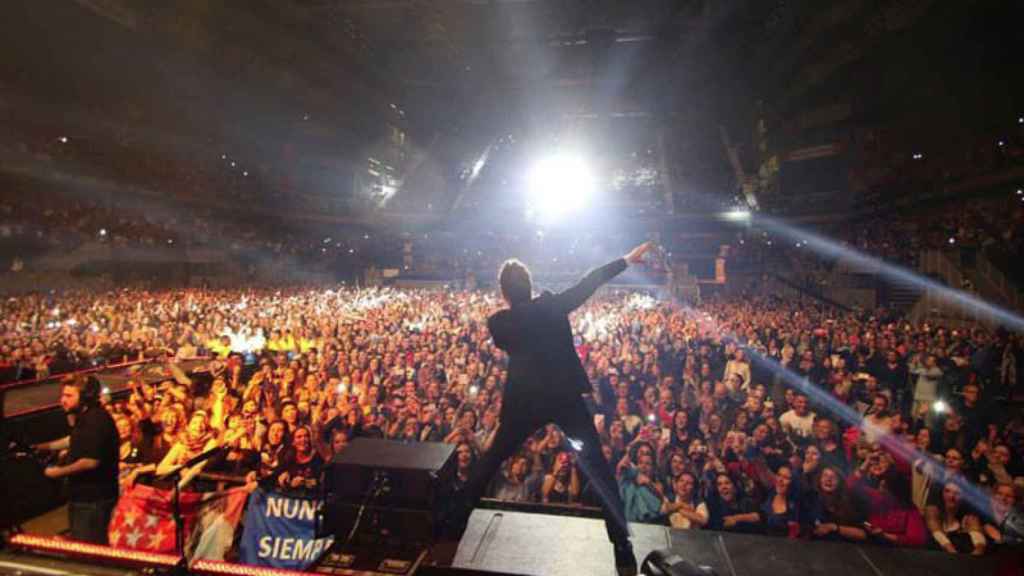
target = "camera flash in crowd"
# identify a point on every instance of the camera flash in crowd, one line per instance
(939, 406)
(473, 390)
(341, 388)
(650, 417)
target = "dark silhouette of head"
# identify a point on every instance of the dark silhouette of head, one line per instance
(514, 279)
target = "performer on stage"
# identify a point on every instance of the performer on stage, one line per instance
(546, 383)
(92, 453)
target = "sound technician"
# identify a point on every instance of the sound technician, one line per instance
(92, 455)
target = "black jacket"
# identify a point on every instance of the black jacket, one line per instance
(544, 369)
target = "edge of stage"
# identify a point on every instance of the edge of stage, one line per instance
(499, 541)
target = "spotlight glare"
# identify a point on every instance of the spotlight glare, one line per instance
(558, 186)
(737, 215)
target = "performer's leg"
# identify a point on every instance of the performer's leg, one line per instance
(509, 438)
(578, 425)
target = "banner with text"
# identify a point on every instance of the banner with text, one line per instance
(279, 531)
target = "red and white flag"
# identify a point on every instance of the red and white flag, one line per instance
(144, 520)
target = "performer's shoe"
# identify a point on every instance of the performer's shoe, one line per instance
(625, 560)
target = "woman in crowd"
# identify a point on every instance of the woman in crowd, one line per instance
(728, 510)
(810, 467)
(465, 458)
(197, 439)
(834, 513)
(239, 458)
(780, 513)
(954, 528)
(273, 447)
(680, 432)
(157, 441)
(892, 519)
(675, 465)
(562, 483)
(301, 465)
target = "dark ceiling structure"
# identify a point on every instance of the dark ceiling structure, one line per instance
(304, 90)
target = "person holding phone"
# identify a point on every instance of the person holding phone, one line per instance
(546, 383)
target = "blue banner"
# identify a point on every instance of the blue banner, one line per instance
(279, 531)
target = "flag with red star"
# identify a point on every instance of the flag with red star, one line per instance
(144, 520)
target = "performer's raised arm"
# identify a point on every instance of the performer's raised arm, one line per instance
(574, 297)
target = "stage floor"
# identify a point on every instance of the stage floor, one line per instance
(542, 545)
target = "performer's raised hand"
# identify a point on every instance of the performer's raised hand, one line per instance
(636, 255)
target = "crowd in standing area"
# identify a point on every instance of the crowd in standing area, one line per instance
(755, 415)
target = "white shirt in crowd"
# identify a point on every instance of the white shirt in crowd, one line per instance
(800, 425)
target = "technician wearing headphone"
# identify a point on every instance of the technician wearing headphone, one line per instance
(92, 454)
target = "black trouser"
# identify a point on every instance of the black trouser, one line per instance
(578, 425)
(90, 520)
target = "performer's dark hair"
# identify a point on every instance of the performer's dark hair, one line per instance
(514, 279)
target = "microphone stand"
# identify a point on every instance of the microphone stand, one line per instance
(181, 568)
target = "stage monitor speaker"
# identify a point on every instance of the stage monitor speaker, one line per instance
(387, 473)
(382, 497)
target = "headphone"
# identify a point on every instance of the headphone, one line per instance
(89, 393)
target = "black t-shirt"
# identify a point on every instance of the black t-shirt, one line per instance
(309, 470)
(94, 436)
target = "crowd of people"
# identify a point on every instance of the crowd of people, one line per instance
(756, 415)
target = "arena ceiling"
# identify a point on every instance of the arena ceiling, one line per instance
(311, 82)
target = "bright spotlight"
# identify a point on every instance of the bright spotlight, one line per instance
(558, 186)
(737, 215)
(939, 406)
